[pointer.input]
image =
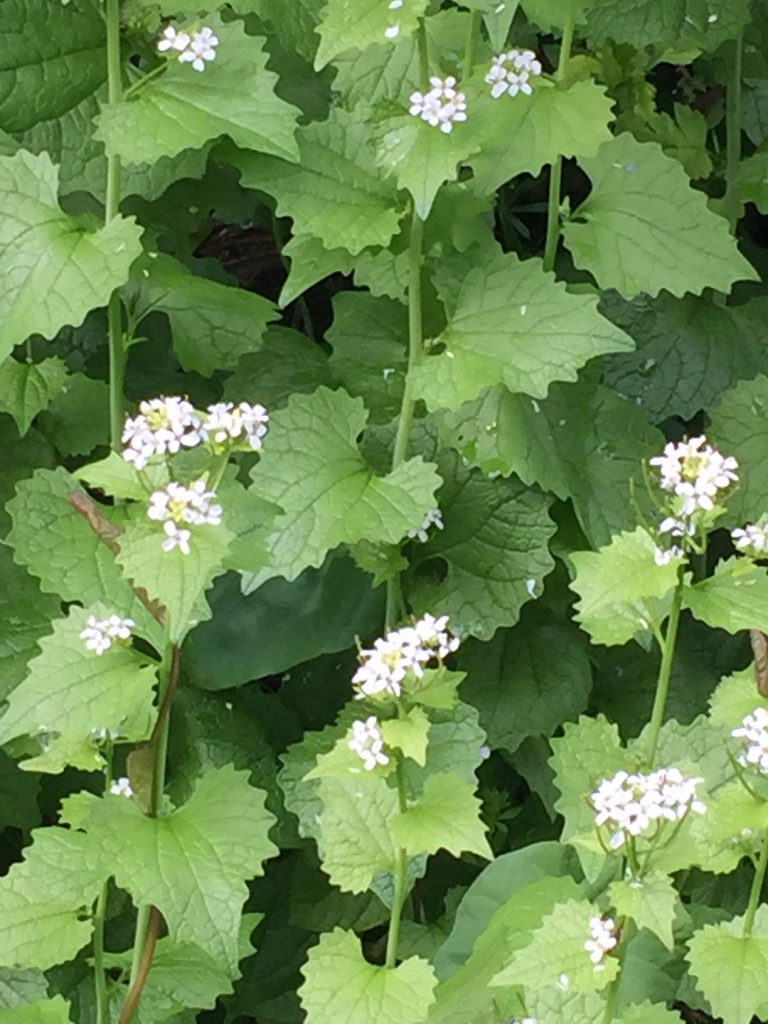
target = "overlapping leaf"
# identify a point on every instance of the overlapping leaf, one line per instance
(734, 598)
(730, 967)
(739, 426)
(684, 24)
(355, 24)
(28, 388)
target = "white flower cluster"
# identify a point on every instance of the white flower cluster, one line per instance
(432, 518)
(166, 425)
(121, 787)
(177, 506)
(393, 31)
(629, 804)
(384, 666)
(603, 938)
(367, 743)
(195, 49)
(443, 105)
(695, 471)
(225, 421)
(753, 734)
(100, 634)
(511, 73)
(753, 537)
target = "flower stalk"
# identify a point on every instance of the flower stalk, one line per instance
(665, 669)
(556, 173)
(111, 210)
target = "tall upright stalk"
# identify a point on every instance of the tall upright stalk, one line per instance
(757, 888)
(111, 209)
(99, 919)
(556, 172)
(733, 125)
(665, 670)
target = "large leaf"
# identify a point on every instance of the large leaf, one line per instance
(513, 324)
(336, 192)
(182, 110)
(19, 988)
(684, 24)
(650, 902)
(54, 269)
(490, 558)
(192, 864)
(28, 388)
(42, 1011)
(730, 967)
(735, 598)
(445, 817)
(739, 427)
(339, 984)
(355, 24)
(643, 227)
(313, 469)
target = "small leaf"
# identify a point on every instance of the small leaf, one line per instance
(409, 734)
(650, 902)
(28, 388)
(735, 598)
(116, 477)
(445, 817)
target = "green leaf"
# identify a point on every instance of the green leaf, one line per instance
(643, 228)
(622, 591)
(686, 356)
(339, 984)
(25, 616)
(311, 262)
(58, 546)
(752, 180)
(524, 133)
(43, 1011)
(734, 598)
(287, 362)
(313, 469)
(19, 988)
(548, 14)
(490, 558)
(735, 698)
(117, 478)
(28, 388)
(74, 692)
(355, 24)
(703, 24)
(730, 968)
(651, 903)
(513, 324)
(445, 817)
(182, 110)
(739, 427)
(212, 324)
(193, 864)
(730, 829)
(42, 900)
(649, 1013)
(527, 681)
(335, 192)
(176, 580)
(556, 949)
(55, 270)
(409, 734)
(77, 420)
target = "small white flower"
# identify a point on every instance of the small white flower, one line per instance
(202, 49)
(393, 31)
(432, 518)
(603, 938)
(753, 734)
(100, 634)
(121, 787)
(443, 106)
(177, 507)
(753, 537)
(162, 427)
(384, 666)
(694, 472)
(225, 422)
(173, 40)
(367, 743)
(511, 73)
(662, 556)
(630, 804)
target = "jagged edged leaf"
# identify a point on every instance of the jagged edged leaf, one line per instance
(513, 324)
(355, 24)
(54, 269)
(643, 228)
(736, 697)
(193, 864)
(42, 1011)
(739, 427)
(650, 902)
(182, 110)
(77, 420)
(649, 1013)
(730, 829)
(734, 598)
(19, 988)
(445, 817)
(339, 984)
(409, 733)
(28, 388)
(684, 24)
(622, 591)
(286, 363)
(312, 468)
(311, 262)
(119, 479)
(336, 192)
(730, 968)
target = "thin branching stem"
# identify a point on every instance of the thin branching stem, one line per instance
(665, 670)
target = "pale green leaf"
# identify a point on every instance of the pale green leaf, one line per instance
(119, 479)
(492, 552)
(313, 469)
(557, 949)
(683, 137)
(703, 24)
(752, 180)
(43, 1011)
(730, 968)
(445, 817)
(455, 746)
(622, 591)
(650, 902)
(739, 427)
(558, 1004)
(643, 227)
(649, 1013)
(25, 616)
(28, 388)
(335, 192)
(54, 269)
(730, 830)
(355, 24)
(735, 598)
(409, 734)
(192, 864)
(735, 698)
(549, 14)
(42, 900)
(310, 262)
(212, 324)
(286, 363)
(74, 693)
(513, 324)
(182, 109)
(339, 984)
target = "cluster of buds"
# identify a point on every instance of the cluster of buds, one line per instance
(411, 649)
(752, 539)
(753, 733)
(196, 49)
(631, 804)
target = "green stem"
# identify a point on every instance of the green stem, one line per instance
(665, 670)
(556, 173)
(401, 868)
(613, 991)
(757, 888)
(475, 20)
(150, 76)
(111, 209)
(99, 918)
(423, 43)
(733, 134)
